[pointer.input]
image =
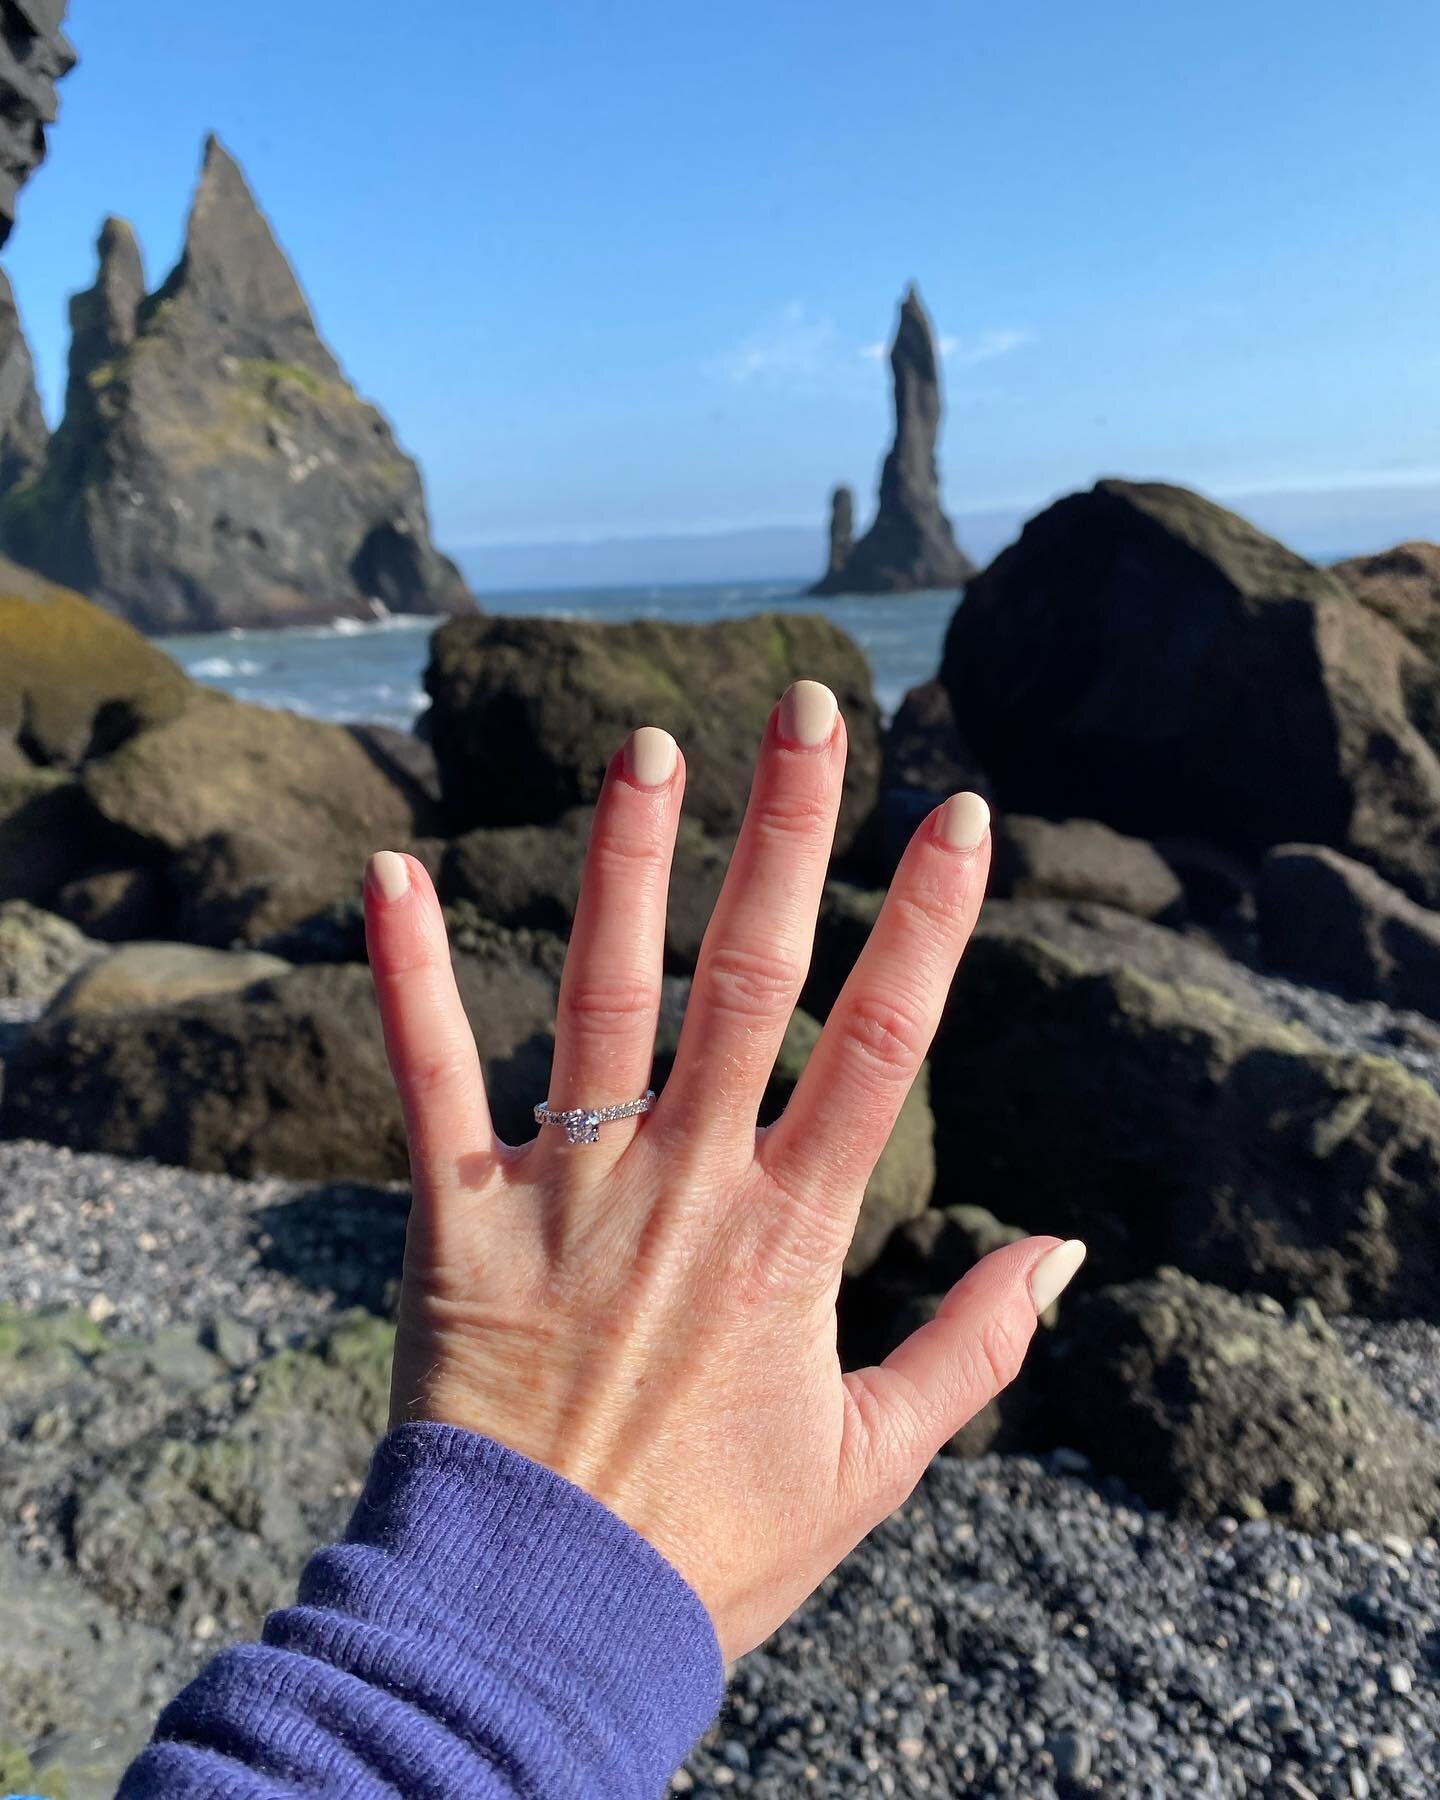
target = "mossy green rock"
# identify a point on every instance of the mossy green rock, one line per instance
(1167, 1123)
(527, 713)
(1205, 1403)
(215, 1523)
(74, 681)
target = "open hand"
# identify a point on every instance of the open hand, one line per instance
(652, 1316)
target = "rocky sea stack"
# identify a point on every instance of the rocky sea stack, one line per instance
(214, 467)
(911, 544)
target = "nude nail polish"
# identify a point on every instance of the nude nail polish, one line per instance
(1054, 1272)
(964, 820)
(807, 714)
(650, 756)
(389, 874)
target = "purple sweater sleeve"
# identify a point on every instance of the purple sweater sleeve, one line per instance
(485, 1629)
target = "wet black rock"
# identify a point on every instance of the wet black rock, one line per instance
(911, 543)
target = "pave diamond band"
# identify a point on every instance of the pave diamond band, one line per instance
(582, 1123)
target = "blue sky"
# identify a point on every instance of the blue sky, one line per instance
(622, 268)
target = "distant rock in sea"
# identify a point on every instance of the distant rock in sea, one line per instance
(34, 54)
(214, 467)
(911, 544)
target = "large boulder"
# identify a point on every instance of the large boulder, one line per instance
(74, 682)
(1403, 586)
(259, 817)
(911, 543)
(1334, 923)
(288, 1076)
(1166, 1123)
(526, 713)
(1212, 1405)
(1080, 859)
(214, 467)
(34, 55)
(529, 875)
(141, 974)
(1143, 657)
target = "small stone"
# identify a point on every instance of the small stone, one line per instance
(911, 1748)
(1388, 1747)
(1400, 1678)
(101, 1308)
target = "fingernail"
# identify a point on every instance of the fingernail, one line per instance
(964, 820)
(807, 714)
(1054, 1272)
(389, 874)
(650, 755)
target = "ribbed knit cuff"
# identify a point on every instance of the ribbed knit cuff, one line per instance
(514, 1574)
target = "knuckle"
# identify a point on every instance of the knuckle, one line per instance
(752, 984)
(786, 814)
(924, 914)
(598, 1005)
(436, 1073)
(888, 1037)
(1000, 1350)
(625, 854)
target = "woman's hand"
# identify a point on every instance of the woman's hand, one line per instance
(653, 1316)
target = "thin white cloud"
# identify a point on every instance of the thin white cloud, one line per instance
(965, 353)
(794, 350)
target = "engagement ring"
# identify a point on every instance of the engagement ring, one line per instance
(582, 1123)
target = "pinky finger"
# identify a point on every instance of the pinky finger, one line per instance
(428, 1039)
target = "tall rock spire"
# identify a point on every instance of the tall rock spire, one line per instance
(911, 543)
(214, 467)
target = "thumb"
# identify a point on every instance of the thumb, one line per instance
(901, 1411)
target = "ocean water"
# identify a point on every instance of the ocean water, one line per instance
(351, 671)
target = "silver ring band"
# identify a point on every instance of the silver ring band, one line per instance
(582, 1123)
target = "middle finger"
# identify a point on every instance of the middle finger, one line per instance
(757, 948)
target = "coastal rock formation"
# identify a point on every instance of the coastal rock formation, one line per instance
(842, 529)
(23, 431)
(34, 55)
(1403, 586)
(526, 713)
(1214, 1406)
(1168, 1123)
(1332, 922)
(214, 467)
(911, 543)
(1143, 657)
